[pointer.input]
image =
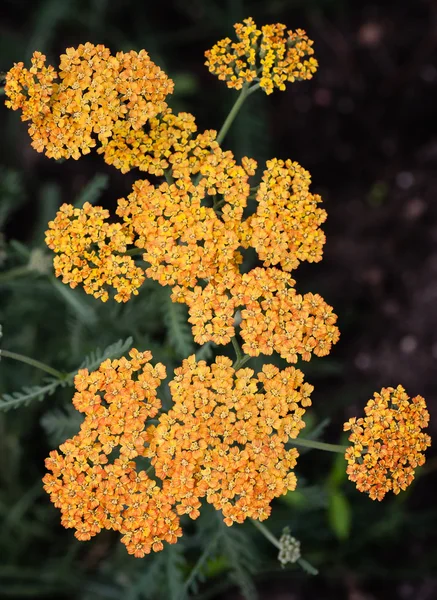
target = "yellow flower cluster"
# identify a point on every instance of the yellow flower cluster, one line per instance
(285, 229)
(91, 252)
(92, 95)
(191, 234)
(276, 318)
(224, 437)
(387, 444)
(270, 56)
(94, 479)
(169, 143)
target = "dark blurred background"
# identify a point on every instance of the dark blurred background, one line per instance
(366, 129)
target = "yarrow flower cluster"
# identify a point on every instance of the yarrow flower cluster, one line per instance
(91, 252)
(91, 96)
(270, 56)
(226, 438)
(388, 443)
(223, 439)
(94, 479)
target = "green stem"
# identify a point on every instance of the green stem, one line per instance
(244, 93)
(267, 533)
(238, 353)
(319, 445)
(32, 362)
(241, 358)
(14, 273)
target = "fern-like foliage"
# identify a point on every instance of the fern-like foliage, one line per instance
(24, 396)
(239, 552)
(178, 330)
(197, 575)
(93, 360)
(93, 190)
(39, 392)
(61, 424)
(175, 567)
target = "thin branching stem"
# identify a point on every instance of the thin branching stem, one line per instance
(32, 362)
(319, 445)
(267, 533)
(246, 90)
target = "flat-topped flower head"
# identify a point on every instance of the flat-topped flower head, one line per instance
(90, 251)
(93, 478)
(270, 56)
(285, 230)
(388, 443)
(225, 437)
(73, 109)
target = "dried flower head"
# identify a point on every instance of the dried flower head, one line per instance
(388, 443)
(71, 109)
(91, 252)
(225, 436)
(94, 479)
(270, 56)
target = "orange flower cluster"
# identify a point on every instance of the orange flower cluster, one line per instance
(169, 143)
(285, 229)
(94, 479)
(184, 239)
(194, 247)
(270, 57)
(387, 443)
(91, 252)
(276, 318)
(93, 95)
(224, 437)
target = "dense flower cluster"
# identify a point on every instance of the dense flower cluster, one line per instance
(91, 252)
(168, 142)
(92, 95)
(225, 435)
(94, 479)
(224, 439)
(388, 443)
(285, 229)
(195, 248)
(270, 56)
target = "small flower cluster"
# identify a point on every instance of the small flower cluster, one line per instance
(91, 252)
(224, 437)
(94, 479)
(93, 95)
(290, 548)
(387, 444)
(270, 56)
(285, 229)
(168, 144)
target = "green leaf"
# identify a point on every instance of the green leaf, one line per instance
(93, 360)
(339, 515)
(61, 424)
(93, 190)
(27, 394)
(241, 557)
(178, 329)
(197, 572)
